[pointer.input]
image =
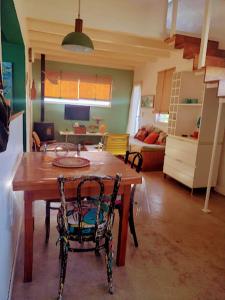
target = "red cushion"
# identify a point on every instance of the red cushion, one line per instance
(151, 138)
(141, 134)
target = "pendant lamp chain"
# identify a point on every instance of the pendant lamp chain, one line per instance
(78, 9)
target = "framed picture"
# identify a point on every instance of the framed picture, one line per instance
(7, 80)
(147, 101)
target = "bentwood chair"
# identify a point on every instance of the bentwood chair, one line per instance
(53, 204)
(87, 221)
(136, 160)
(37, 143)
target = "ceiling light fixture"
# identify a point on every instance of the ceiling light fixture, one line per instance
(78, 41)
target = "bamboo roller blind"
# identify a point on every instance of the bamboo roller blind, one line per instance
(67, 85)
(163, 91)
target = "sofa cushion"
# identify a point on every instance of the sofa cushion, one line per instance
(141, 134)
(151, 138)
(162, 138)
(136, 145)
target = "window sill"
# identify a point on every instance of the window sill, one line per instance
(80, 102)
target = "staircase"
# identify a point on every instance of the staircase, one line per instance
(215, 58)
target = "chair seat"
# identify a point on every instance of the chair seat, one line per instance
(88, 224)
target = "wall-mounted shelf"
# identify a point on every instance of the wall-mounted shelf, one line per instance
(190, 104)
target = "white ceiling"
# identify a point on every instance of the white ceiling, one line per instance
(139, 17)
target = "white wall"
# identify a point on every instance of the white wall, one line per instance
(10, 206)
(147, 74)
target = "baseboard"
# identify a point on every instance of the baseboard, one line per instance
(220, 189)
(15, 259)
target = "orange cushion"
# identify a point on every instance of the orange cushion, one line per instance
(151, 138)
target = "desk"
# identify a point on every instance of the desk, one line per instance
(36, 176)
(72, 133)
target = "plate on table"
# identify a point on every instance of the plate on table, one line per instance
(71, 162)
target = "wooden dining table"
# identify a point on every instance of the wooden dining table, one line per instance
(36, 176)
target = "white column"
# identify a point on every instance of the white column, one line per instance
(205, 33)
(219, 115)
(174, 18)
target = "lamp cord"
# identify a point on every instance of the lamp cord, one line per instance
(78, 9)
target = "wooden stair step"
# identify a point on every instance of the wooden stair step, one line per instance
(210, 61)
(181, 40)
(191, 49)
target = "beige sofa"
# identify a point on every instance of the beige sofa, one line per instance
(153, 154)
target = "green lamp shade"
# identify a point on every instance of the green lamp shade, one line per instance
(77, 42)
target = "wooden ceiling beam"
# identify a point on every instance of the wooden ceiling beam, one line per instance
(98, 53)
(96, 35)
(70, 60)
(103, 46)
(89, 58)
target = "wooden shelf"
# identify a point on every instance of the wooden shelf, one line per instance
(189, 104)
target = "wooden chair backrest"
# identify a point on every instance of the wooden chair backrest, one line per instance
(36, 140)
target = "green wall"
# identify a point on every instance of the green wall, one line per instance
(115, 117)
(13, 51)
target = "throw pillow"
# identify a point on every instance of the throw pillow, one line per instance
(162, 138)
(151, 138)
(141, 134)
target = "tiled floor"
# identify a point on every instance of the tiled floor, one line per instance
(181, 252)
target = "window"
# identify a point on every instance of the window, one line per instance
(134, 112)
(161, 118)
(78, 89)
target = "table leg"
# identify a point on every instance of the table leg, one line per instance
(123, 228)
(28, 236)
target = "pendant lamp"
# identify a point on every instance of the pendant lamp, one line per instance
(77, 41)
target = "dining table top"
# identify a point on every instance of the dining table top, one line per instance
(36, 169)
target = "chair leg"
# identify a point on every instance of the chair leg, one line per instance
(109, 261)
(63, 265)
(97, 252)
(132, 226)
(47, 222)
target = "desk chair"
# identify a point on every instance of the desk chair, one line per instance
(136, 160)
(86, 221)
(117, 144)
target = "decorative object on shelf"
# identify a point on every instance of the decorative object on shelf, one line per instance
(33, 92)
(190, 101)
(97, 120)
(81, 129)
(147, 101)
(78, 41)
(194, 135)
(93, 128)
(198, 122)
(102, 128)
(71, 162)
